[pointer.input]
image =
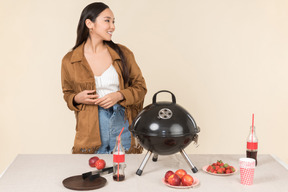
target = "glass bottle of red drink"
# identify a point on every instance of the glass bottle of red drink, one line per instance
(252, 145)
(118, 161)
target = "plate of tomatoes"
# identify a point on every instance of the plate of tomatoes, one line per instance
(194, 184)
(220, 168)
(180, 179)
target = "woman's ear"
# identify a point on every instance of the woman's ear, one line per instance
(89, 23)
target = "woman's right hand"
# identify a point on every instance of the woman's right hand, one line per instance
(86, 97)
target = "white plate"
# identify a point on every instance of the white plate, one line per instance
(218, 174)
(195, 183)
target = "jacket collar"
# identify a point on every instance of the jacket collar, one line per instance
(78, 54)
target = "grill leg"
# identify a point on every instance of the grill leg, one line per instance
(144, 162)
(193, 168)
(155, 157)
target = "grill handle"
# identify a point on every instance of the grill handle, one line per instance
(173, 96)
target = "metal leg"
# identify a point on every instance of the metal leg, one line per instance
(144, 162)
(155, 157)
(193, 168)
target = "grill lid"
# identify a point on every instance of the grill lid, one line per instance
(164, 119)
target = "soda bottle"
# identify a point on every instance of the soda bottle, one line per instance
(118, 161)
(252, 145)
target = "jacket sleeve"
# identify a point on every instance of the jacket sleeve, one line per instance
(67, 85)
(135, 92)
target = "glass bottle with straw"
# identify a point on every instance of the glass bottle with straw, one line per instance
(252, 143)
(119, 159)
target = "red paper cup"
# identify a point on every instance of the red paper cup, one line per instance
(247, 167)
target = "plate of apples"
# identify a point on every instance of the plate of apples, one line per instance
(180, 179)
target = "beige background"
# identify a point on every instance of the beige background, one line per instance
(224, 60)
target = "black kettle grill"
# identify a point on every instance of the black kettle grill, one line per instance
(164, 128)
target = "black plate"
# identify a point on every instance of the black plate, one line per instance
(77, 183)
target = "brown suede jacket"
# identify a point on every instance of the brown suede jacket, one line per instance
(77, 76)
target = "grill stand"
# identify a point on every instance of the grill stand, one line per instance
(155, 158)
(144, 162)
(193, 168)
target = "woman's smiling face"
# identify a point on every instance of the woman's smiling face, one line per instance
(103, 27)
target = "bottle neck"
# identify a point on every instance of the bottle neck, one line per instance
(118, 146)
(252, 129)
(118, 141)
(252, 140)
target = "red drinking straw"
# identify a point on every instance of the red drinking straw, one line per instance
(252, 126)
(118, 152)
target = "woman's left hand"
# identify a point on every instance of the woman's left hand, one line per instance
(109, 100)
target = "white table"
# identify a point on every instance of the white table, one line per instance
(41, 173)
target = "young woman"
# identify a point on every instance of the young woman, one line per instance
(102, 84)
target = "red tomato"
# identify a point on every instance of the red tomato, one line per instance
(100, 164)
(180, 173)
(93, 160)
(187, 180)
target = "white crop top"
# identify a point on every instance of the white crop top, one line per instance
(108, 82)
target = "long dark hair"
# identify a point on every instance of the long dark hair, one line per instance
(91, 12)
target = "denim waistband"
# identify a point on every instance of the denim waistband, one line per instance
(114, 108)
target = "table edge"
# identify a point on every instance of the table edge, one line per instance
(285, 165)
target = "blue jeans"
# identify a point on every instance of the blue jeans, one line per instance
(111, 122)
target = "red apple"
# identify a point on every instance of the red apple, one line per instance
(92, 161)
(100, 164)
(168, 174)
(180, 173)
(187, 180)
(174, 180)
